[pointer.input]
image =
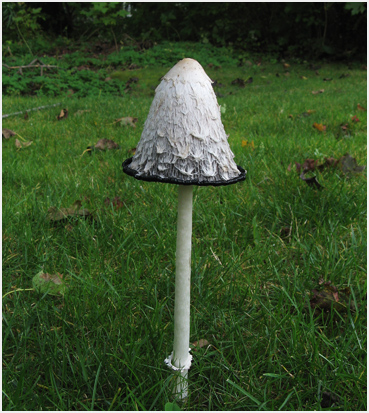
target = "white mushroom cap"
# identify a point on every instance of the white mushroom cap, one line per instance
(183, 140)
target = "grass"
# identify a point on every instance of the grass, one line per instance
(102, 346)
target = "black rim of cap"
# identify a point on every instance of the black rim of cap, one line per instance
(154, 178)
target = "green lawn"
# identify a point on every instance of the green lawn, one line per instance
(260, 248)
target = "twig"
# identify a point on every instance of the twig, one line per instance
(29, 110)
(34, 63)
(18, 289)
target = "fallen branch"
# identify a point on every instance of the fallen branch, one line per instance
(30, 110)
(34, 63)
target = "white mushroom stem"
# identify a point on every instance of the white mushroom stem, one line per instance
(181, 357)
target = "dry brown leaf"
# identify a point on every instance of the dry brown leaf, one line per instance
(7, 133)
(55, 278)
(106, 144)
(117, 203)
(201, 343)
(128, 120)
(360, 107)
(21, 145)
(316, 92)
(58, 214)
(63, 114)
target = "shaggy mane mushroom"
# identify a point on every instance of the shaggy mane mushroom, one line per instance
(184, 142)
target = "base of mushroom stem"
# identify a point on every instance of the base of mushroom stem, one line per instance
(180, 387)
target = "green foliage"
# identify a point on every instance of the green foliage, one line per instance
(86, 74)
(171, 407)
(356, 7)
(105, 14)
(289, 29)
(20, 19)
(102, 345)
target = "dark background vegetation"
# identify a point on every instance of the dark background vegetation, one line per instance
(311, 30)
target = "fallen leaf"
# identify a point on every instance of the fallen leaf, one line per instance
(328, 399)
(349, 165)
(106, 144)
(319, 127)
(172, 407)
(329, 162)
(26, 116)
(245, 143)
(316, 92)
(201, 343)
(21, 145)
(309, 165)
(7, 133)
(361, 108)
(103, 145)
(327, 79)
(238, 82)
(286, 65)
(57, 214)
(308, 113)
(355, 119)
(303, 77)
(328, 296)
(116, 202)
(311, 181)
(132, 151)
(63, 114)
(129, 120)
(52, 284)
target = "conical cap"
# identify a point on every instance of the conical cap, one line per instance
(183, 140)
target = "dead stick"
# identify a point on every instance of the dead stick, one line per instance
(29, 110)
(25, 67)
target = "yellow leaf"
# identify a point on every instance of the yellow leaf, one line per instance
(319, 126)
(247, 143)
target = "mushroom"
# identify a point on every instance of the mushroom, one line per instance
(184, 142)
